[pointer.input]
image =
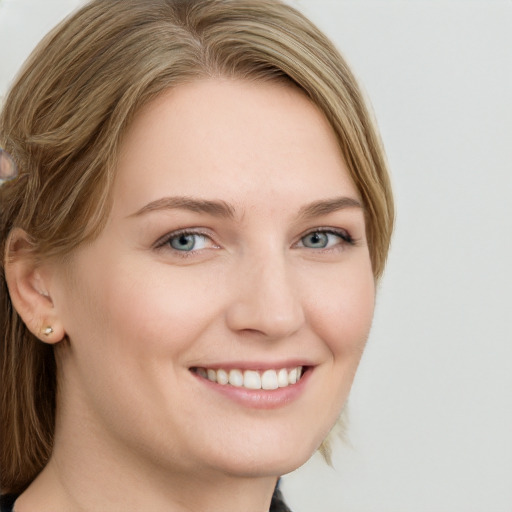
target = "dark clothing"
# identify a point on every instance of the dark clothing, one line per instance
(7, 502)
(277, 505)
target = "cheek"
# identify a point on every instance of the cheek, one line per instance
(342, 311)
(341, 316)
(153, 315)
(164, 309)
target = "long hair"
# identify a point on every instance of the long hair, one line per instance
(63, 121)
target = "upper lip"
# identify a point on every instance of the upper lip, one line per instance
(254, 365)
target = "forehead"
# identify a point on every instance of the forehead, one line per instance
(232, 139)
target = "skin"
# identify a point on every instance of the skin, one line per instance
(136, 428)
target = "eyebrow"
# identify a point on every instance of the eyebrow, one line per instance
(220, 208)
(327, 206)
(215, 208)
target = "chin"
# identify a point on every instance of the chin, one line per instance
(265, 467)
(273, 458)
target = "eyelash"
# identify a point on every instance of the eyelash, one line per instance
(345, 239)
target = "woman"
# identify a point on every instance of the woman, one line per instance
(190, 255)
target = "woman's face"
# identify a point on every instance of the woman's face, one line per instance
(235, 250)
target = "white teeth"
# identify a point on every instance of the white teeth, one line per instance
(253, 379)
(222, 377)
(269, 380)
(282, 378)
(236, 378)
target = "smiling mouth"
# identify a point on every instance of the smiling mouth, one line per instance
(253, 379)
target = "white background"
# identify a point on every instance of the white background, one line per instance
(431, 407)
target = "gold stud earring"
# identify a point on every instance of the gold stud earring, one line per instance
(47, 330)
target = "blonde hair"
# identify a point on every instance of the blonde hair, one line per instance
(62, 123)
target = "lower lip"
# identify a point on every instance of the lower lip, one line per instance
(260, 398)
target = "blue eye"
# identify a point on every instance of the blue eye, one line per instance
(315, 240)
(186, 242)
(324, 239)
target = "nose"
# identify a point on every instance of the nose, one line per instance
(265, 299)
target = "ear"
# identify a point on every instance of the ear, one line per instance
(30, 282)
